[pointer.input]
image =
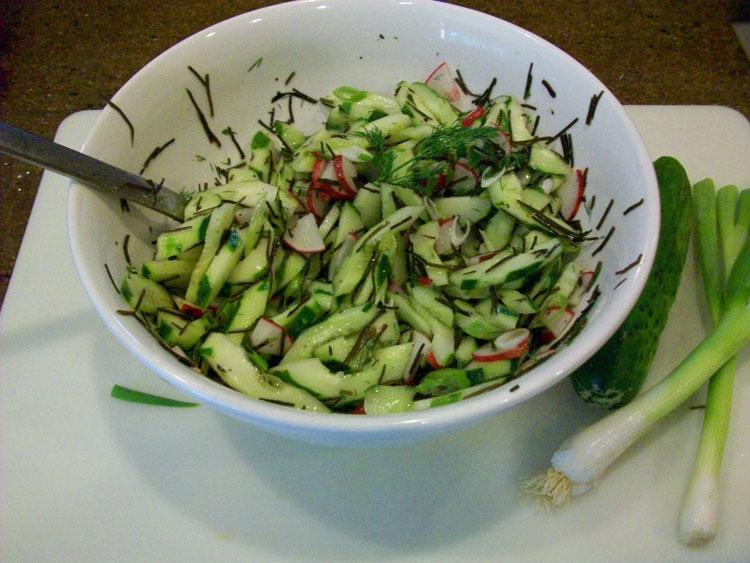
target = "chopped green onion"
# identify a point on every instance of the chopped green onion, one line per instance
(134, 396)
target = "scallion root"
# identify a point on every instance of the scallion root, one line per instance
(550, 488)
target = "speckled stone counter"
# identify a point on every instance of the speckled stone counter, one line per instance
(57, 58)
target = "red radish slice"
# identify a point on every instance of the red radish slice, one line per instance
(464, 178)
(582, 286)
(514, 343)
(509, 345)
(346, 174)
(424, 280)
(317, 200)
(571, 194)
(304, 236)
(187, 307)
(487, 353)
(317, 169)
(268, 337)
(557, 321)
(472, 116)
(432, 360)
(441, 80)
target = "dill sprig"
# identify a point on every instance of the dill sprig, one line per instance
(433, 157)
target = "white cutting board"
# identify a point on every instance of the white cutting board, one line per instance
(87, 477)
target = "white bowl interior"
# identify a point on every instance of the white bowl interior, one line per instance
(369, 45)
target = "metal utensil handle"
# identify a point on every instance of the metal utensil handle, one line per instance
(47, 154)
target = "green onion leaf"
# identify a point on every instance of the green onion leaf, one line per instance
(134, 396)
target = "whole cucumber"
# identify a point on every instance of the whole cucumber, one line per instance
(615, 374)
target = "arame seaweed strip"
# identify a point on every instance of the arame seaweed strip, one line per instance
(125, 117)
(210, 134)
(205, 81)
(154, 153)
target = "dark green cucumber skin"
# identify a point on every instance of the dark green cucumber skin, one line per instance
(615, 374)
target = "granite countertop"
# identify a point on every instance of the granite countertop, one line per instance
(57, 58)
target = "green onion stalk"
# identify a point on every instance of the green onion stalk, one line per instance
(583, 458)
(722, 221)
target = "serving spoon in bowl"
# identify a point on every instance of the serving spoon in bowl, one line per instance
(47, 154)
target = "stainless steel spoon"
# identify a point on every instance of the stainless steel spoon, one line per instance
(44, 153)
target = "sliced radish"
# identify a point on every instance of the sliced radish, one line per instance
(487, 353)
(441, 80)
(186, 307)
(464, 178)
(432, 360)
(509, 345)
(472, 116)
(582, 286)
(304, 236)
(268, 337)
(346, 173)
(514, 343)
(557, 321)
(317, 200)
(571, 194)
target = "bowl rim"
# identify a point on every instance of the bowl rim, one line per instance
(327, 428)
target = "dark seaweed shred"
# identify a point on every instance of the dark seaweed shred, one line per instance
(201, 116)
(633, 264)
(115, 107)
(604, 242)
(109, 275)
(529, 79)
(604, 215)
(205, 80)
(154, 153)
(232, 135)
(549, 88)
(592, 107)
(634, 206)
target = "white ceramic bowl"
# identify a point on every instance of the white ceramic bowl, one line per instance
(370, 45)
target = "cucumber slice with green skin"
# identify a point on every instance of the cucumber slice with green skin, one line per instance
(544, 159)
(408, 314)
(170, 273)
(615, 374)
(143, 294)
(182, 331)
(439, 107)
(189, 234)
(506, 267)
(251, 307)
(468, 208)
(253, 266)
(343, 322)
(233, 364)
(219, 222)
(313, 376)
(220, 268)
